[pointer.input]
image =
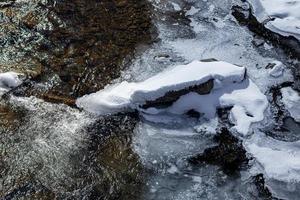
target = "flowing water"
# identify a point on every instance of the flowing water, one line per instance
(53, 151)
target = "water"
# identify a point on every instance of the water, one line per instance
(51, 150)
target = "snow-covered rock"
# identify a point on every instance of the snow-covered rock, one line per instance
(231, 88)
(277, 70)
(131, 95)
(282, 16)
(8, 81)
(291, 101)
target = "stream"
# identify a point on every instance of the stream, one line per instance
(51, 150)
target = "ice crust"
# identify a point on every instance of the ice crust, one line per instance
(231, 89)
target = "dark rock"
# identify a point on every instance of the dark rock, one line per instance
(262, 189)
(172, 96)
(229, 154)
(245, 17)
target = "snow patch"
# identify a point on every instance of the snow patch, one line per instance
(291, 101)
(8, 81)
(280, 160)
(277, 70)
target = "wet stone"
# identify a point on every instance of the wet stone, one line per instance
(172, 96)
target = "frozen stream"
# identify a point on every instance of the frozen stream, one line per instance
(51, 150)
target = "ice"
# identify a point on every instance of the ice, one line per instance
(291, 101)
(285, 15)
(130, 95)
(8, 81)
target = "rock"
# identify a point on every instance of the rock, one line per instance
(229, 154)
(262, 190)
(172, 96)
(285, 128)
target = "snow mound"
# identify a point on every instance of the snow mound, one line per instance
(8, 81)
(231, 89)
(283, 16)
(291, 101)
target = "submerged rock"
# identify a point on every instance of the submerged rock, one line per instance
(262, 190)
(83, 44)
(229, 154)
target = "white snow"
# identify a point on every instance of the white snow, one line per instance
(280, 160)
(277, 70)
(291, 101)
(248, 104)
(286, 15)
(9, 80)
(176, 6)
(231, 89)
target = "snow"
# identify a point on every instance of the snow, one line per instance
(285, 13)
(231, 89)
(280, 160)
(126, 95)
(278, 164)
(277, 70)
(9, 80)
(291, 101)
(176, 6)
(248, 104)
